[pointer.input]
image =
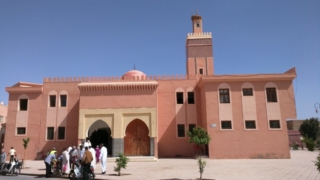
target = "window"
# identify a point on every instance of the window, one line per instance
(274, 124)
(271, 95)
(201, 71)
(179, 97)
(50, 133)
(61, 133)
(181, 131)
(198, 24)
(191, 126)
(247, 92)
(224, 96)
(63, 100)
(23, 104)
(1, 119)
(21, 130)
(226, 125)
(52, 100)
(251, 124)
(190, 97)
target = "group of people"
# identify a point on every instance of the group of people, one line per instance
(85, 154)
(3, 156)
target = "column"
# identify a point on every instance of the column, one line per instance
(151, 146)
(117, 146)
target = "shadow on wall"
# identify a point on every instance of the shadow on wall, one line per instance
(71, 133)
(169, 145)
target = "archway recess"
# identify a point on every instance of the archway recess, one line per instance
(99, 132)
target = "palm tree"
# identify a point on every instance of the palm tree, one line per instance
(25, 145)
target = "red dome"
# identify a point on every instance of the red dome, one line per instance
(134, 73)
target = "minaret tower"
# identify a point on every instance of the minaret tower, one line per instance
(199, 49)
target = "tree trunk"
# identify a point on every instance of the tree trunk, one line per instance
(24, 160)
(200, 176)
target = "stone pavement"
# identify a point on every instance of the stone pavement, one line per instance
(299, 167)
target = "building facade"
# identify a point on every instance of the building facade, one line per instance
(139, 115)
(3, 120)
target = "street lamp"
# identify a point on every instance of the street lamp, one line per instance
(317, 106)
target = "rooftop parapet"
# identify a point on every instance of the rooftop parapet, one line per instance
(199, 35)
(120, 78)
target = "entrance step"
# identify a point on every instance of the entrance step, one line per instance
(136, 159)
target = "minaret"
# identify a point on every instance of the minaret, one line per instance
(199, 49)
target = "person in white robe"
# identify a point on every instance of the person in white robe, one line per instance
(65, 162)
(103, 158)
(94, 161)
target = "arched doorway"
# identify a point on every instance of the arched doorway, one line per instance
(137, 140)
(99, 132)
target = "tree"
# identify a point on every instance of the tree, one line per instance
(25, 146)
(199, 137)
(121, 162)
(202, 165)
(310, 128)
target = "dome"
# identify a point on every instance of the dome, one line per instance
(134, 73)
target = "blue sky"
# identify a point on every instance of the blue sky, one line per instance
(105, 38)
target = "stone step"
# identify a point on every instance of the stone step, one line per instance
(136, 159)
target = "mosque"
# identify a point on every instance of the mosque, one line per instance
(140, 115)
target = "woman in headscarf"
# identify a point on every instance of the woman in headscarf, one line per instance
(97, 153)
(65, 161)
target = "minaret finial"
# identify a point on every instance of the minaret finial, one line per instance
(197, 11)
(134, 66)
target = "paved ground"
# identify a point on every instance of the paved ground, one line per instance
(300, 167)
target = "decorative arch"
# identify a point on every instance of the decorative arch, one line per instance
(247, 85)
(225, 109)
(100, 132)
(97, 125)
(273, 108)
(52, 92)
(137, 139)
(22, 96)
(63, 92)
(249, 111)
(145, 117)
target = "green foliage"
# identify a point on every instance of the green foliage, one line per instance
(295, 146)
(121, 162)
(199, 137)
(317, 162)
(310, 128)
(202, 165)
(310, 143)
(25, 142)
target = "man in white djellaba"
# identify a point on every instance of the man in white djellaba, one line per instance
(103, 158)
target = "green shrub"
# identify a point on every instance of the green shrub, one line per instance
(317, 162)
(121, 162)
(310, 144)
(295, 146)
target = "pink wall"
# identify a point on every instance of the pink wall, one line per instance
(239, 143)
(34, 111)
(169, 145)
(118, 99)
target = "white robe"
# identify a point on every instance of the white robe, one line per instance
(86, 144)
(66, 161)
(103, 158)
(94, 161)
(69, 149)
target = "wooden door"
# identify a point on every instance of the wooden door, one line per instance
(137, 140)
